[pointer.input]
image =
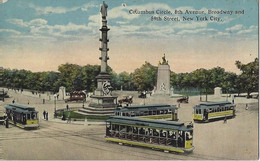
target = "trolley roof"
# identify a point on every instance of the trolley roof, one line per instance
(20, 108)
(213, 104)
(158, 124)
(146, 107)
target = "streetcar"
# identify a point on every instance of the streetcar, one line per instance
(22, 116)
(213, 110)
(167, 136)
(152, 111)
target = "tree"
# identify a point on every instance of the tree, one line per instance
(228, 82)
(249, 76)
(123, 80)
(144, 78)
(68, 72)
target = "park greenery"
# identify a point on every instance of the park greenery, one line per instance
(76, 116)
(75, 77)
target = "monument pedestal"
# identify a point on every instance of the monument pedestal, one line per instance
(103, 101)
(217, 92)
(101, 105)
(163, 80)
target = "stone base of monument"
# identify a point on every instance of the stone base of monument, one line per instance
(161, 95)
(100, 105)
(96, 111)
(163, 80)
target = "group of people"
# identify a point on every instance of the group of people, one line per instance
(45, 115)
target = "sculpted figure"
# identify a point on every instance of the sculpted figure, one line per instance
(164, 61)
(103, 9)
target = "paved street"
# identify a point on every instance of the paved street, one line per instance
(238, 139)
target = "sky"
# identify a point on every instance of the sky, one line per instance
(40, 35)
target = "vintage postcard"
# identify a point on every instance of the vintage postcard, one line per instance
(129, 80)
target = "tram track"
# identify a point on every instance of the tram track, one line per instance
(135, 151)
(97, 146)
(75, 137)
(100, 143)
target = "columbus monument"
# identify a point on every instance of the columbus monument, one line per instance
(102, 102)
(163, 78)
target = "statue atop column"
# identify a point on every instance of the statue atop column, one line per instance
(103, 10)
(164, 61)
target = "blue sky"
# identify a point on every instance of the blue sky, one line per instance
(40, 35)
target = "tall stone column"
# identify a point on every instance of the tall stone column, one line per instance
(104, 41)
(103, 79)
(102, 97)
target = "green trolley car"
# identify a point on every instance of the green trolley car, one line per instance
(22, 116)
(213, 110)
(152, 111)
(156, 134)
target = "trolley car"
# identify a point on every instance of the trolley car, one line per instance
(213, 110)
(22, 116)
(156, 134)
(156, 111)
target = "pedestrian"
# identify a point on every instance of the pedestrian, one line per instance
(47, 116)
(63, 116)
(44, 113)
(246, 106)
(225, 119)
(67, 107)
(6, 122)
(69, 119)
(14, 118)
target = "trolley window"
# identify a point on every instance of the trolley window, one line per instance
(28, 116)
(33, 116)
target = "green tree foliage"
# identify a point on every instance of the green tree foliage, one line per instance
(68, 75)
(249, 78)
(24, 79)
(75, 77)
(144, 78)
(205, 80)
(125, 81)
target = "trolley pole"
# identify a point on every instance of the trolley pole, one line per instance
(55, 97)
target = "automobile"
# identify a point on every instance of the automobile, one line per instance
(126, 99)
(3, 95)
(76, 96)
(142, 95)
(183, 100)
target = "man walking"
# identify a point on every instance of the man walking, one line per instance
(44, 113)
(225, 120)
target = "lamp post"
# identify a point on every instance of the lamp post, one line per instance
(55, 97)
